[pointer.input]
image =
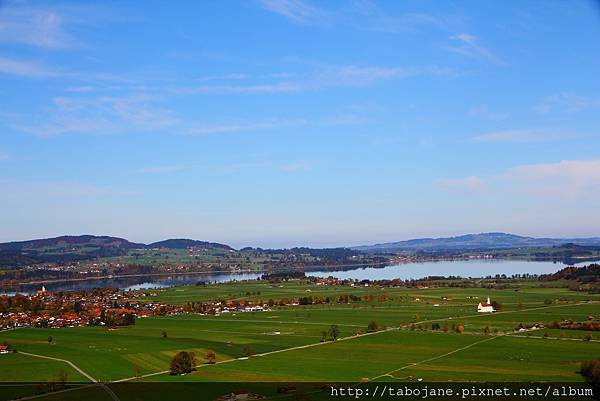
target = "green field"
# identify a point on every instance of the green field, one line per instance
(285, 341)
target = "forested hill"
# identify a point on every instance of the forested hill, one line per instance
(483, 241)
(69, 248)
(182, 243)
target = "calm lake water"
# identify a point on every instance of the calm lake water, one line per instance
(462, 268)
(135, 283)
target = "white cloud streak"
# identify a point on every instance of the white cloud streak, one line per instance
(563, 180)
(248, 126)
(297, 11)
(523, 136)
(485, 112)
(162, 169)
(25, 69)
(5, 156)
(322, 76)
(469, 46)
(566, 102)
(468, 184)
(101, 115)
(34, 26)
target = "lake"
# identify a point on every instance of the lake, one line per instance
(474, 268)
(463, 268)
(135, 283)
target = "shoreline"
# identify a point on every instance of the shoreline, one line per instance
(307, 269)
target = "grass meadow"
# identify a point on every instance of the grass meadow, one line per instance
(285, 345)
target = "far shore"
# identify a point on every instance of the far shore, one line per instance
(307, 269)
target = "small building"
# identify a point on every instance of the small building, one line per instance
(485, 306)
(3, 349)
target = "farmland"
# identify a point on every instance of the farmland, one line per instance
(296, 331)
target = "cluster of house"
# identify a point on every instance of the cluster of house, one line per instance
(530, 327)
(104, 306)
(218, 307)
(70, 309)
(328, 281)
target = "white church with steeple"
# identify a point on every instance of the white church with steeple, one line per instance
(485, 306)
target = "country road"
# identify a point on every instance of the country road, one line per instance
(71, 364)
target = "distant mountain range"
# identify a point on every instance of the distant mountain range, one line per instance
(82, 241)
(70, 248)
(483, 241)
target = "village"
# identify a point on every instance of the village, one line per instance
(111, 307)
(101, 307)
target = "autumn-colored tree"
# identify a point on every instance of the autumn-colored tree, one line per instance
(590, 370)
(334, 332)
(210, 357)
(497, 306)
(459, 328)
(62, 379)
(487, 329)
(373, 326)
(183, 362)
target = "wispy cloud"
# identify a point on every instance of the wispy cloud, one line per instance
(358, 75)
(39, 191)
(566, 179)
(362, 15)
(297, 167)
(468, 184)
(81, 89)
(344, 119)
(101, 115)
(34, 25)
(566, 102)
(369, 15)
(245, 126)
(223, 77)
(298, 11)
(320, 76)
(469, 46)
(5, 156)
(162, 169)
(408, 22)
(484, 111)
(25, 69)
(280, 87)
(524, 135)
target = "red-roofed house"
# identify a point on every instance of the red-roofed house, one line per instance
(485, 306)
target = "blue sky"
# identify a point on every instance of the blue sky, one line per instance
(296, 122)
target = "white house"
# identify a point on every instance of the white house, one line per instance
(485, 306)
